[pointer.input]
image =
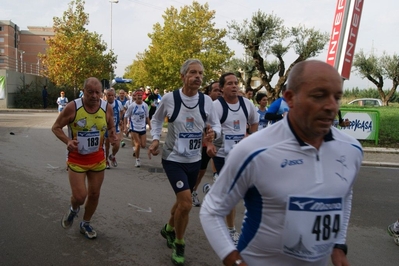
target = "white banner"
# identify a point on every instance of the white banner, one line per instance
(2, 87)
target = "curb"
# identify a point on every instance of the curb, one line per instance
(149, 140)
(364, 163)
(50, 110)
(380, 164)
(381, 150)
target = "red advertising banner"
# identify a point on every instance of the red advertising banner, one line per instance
(352, 31)
(344, 34)
(337, 33)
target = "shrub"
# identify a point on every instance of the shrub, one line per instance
(30, 96)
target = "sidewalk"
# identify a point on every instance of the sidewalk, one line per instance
(377, 157)
(381, 157)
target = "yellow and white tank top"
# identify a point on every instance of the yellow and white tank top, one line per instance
(88, 129)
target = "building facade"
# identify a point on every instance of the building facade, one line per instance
(19, 49)
(19, 57)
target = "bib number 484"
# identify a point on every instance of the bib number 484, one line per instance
(325, 225)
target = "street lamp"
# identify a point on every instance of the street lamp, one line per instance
(38, 66)
(22, 60)
(112, 2)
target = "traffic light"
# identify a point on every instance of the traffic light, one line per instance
(105, 83)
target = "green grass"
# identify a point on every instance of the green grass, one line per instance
(389, 127)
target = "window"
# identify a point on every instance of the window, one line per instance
(1, 28)
(2, 61)
(1, 51)
(1, 39)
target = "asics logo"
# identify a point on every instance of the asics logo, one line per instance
(291, 162)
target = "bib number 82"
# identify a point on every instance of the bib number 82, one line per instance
(195, 144)
(324, 226)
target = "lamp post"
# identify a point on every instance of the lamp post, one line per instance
(22, 60)
(112, 2)
(38, 66)
(16, 59)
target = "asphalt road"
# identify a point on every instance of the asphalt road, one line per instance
(134, 205)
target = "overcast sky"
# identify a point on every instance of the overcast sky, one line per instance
(132, 20)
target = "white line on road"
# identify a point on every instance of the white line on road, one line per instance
(52, 167)
(139, 209)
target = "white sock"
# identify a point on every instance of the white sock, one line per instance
(396, 226)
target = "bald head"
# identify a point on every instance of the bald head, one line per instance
(314, 90)
(308, 71)
(92, 81)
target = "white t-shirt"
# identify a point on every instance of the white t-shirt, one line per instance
(137, 115)
(184, 137)
(234, 127)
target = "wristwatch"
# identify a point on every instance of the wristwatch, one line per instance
(342, 247)
(237, 262)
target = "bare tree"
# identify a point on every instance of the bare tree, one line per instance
(265, 36)
(376, 69)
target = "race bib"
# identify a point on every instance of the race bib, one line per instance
(230, 141)
(311, 227)
(89, 141)
(189, 144)
(262, 124)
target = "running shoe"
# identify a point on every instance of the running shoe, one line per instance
(215, 176)
(393, 233)
(113, 160)
(67, 219)
(234, 236)
(138, 163)
(123, 144)
(206, 188)
(107, 165)
(169, 236)
(87, 230)
(196, 201)
(178, 254)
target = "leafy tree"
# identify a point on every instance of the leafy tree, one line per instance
(137, 72)
(190, 33)
(244, 69)
(376, 69)
(74, 53)
(264, 36)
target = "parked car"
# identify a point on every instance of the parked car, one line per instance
(369, 102)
